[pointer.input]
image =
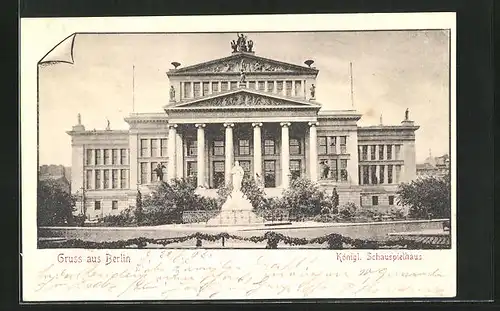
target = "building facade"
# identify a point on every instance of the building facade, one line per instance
(434, 167)
(258, 111)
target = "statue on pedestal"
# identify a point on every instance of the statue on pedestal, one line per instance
(79, 119)
(108, 126)
(250, 45)
(172, 93)
(407, 114)
(159, 171)
(313, 91)
(234, 46)
(237, 173)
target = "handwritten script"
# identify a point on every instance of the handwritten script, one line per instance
(177, 274)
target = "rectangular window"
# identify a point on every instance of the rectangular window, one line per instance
(373, 173)
(381, 174)
(107, 158)
(224, 86)
(89, 157)
(269, 174)
(398, 173)
(218, 148)
(192, 147)
(332, 142)
(114, 204)
(298, 87)
(244, 147)
(380, 152)
(322, 145)
(234, 85)
(187, 89)
(295, 146)
(114, 179)
(389, 174)
(374, 200)
(373, 152)
(397, 151)
(269, 147)
(334, 170)
(106, 179)
(192, 169)
(343, 144)
(218, 179)
(391, 200)
(97, 174)
(197, 89)
(262, 86)
(366, 176)
(152, 166)
(215, 87)
(154, 148)
(97, 205)
(206, 88)
(295, 169)
(343, 170)
(163, 146)
(115, 157)
(288, 90)
(144, 173)
(389, 152)
(98, 156)
(251, 85)
(144, 147)
(364, 153)
(89, 179)
(279, 87)
(270, 86)
(123, 155)
(123, 181)
(246, 167)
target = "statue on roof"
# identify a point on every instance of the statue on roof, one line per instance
(108, 126)
(79, 119)
(172, 93)
(313, 91)
(407, 114)
(250, 45)
(234, 46)
(242, 42)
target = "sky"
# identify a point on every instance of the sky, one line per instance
(392, 71)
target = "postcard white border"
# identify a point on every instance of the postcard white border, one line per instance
(40, 35)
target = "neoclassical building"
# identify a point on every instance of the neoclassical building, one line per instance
(259, 111)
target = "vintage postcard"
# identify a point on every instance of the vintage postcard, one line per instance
(238, 157)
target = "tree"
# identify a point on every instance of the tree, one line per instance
(168, 201)
(305, 198)
(426, 197)
(54, 205)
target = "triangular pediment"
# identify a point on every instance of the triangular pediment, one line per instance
(248, 62)
(244, 98)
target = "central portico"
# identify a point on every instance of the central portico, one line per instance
(267, 133)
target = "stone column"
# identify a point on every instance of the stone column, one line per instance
(313, 151)
(101, 186)
(200, 150)
(361, 174)
(377, 173)
(172, 132)
(119, 185)
(285, 154)
(275, 87)
(228, 151)
(294, 93)
(192, 90)
(386, 174)
(257, 149)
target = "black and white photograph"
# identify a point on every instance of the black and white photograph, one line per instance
(329, 142)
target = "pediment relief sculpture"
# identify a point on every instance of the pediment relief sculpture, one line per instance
(245, 65)
(241, 100)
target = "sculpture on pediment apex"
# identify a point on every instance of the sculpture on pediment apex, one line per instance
(250, 45)
(234, 46)
(242, 43)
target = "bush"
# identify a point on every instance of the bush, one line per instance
(348, 210)
(168, 201)
(326, 218)
(304, 199)
(124, 218)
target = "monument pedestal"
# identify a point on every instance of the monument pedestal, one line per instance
(236, 211)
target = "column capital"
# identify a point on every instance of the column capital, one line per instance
(285, 124)
(311, 124)
(200, 125)
(172, 126)
(226, 125)
(256, 124)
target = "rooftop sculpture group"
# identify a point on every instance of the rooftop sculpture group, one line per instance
(241, 44)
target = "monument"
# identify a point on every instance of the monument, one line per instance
(237, 210)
